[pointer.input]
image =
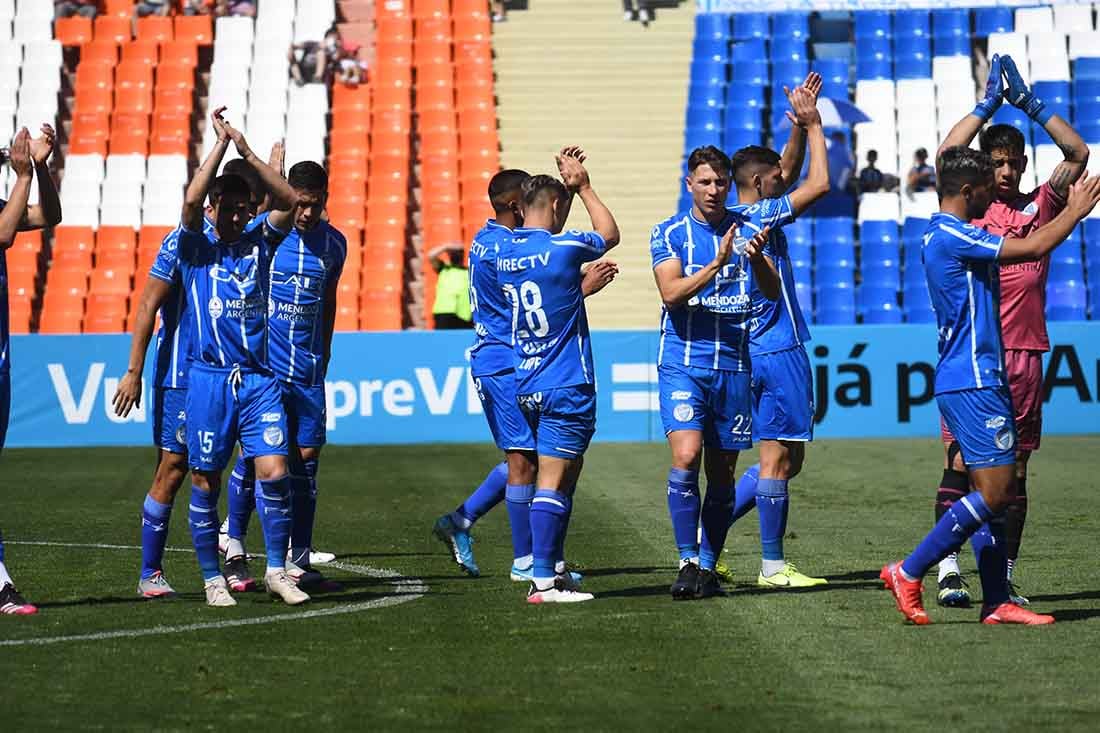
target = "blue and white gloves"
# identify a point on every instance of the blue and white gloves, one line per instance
(1019, 95)
(994, 90)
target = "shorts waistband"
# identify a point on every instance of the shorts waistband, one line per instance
(227, 370)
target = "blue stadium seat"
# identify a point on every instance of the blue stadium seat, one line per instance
(715, 26)
(833, 274)
(917, 306)
(1066, 270)
(742, 118)
(800, 231)
(684, 203)
(754, 73)
(747, 95)
(803, 273)
(804, 292)
(912, 229)
(915, 22)
(872, 24)
(1085, 91)
(912, 58)
(875, 48)
(1089, 131)
(879, 232)
(789, 49)
(705, 49)
(993, 20)
(753, 49)
(737, 139)
(712, 96)
(695, 137)
(708, 73)
(789, 72)
(881, 273)
(950, 22)
(1053, 92)
(1086, 110)
(1066, 301)
(879, 304)
(1090, 234)
(1009, 115)
(834, 74)
(828, 231)
(750, 25)
(801, 253)
(1087, 67)
(835, 203)
(951, 45)
(704, 115)
(836, 305)
(790, 25)
(870, 68)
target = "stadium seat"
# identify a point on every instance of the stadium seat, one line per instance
(834, 74)
(951, 46)
(833, 230)
(872, 24)
(951, 22)
(1034, 19)
(754, 73)
(74, 31)
(715, 26)
(911, 22)
(879, 305)
(156, 28)
(197, 28)
(790, 25)
(1066, 301)
(836, 305)
(141, 52)
(751, 25)
(789, 49)
(989, 20)
(112, 28)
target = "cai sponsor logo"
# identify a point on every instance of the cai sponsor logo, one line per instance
(215, 308)
(683, 412)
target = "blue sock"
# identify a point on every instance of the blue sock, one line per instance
(154, 535)
(771, 501)
(303, 502)
(744, 500)
(548, 512)
(273, 503)
(559, 549)
(957, 524)
(1, 547)
(716, 523)
(242, 497)
(989, 550)
(203, 518)
(519, 516)
(488, 495)
(683, 507)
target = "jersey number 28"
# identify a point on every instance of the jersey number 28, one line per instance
(529, 298)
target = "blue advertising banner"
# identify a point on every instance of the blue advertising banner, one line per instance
(414, 387)
(808, 6)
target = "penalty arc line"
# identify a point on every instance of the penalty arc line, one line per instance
(409, 588)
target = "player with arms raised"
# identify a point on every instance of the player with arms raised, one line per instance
(961, 264)
(1023, 292)
(540, 272)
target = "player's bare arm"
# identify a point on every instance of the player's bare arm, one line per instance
(676, 288)
(598, 276)
(804, 106)
(966, 129)
(794, 152)
(1083, 197)
(128, 394)
(194, 198)
(576, 177)
(763, 269)
(47, 212)
(22, 166)
(282, 197)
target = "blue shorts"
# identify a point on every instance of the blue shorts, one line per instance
(218, 416)
(783, 396)
(716, 403)
(170, 419)
(562, 420)
(5, 405)
(305, 413)
(983, 423)
(506, 421)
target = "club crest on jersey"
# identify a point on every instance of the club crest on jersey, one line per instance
(273, 435)
(1005, 438)
(181, 434)
(994, 423)
(215, 307)
(1031, 209)
(683, 412)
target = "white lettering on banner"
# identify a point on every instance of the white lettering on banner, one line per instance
(137, 414)
(399, 390)
(439, 404)
(76, 413)
(339, 402)
(398, 396)
(634, 400)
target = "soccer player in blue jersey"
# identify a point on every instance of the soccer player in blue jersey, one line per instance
(540, 272)
(962, 267)
(782, 383)
(28, 158)
(492, 366)
(232, 395)
(304, 276)
(701, 263)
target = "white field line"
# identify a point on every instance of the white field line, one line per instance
(409, 589)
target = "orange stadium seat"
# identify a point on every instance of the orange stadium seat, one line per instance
(431, 98)
(431, 52)
(94, 101)
(473, 53)
(107, 281)
(429, 29)
(476, 29)
(172, 75)
(133, 76)
(112, 28)
(178, 101)
(351, 189)
(394, 27)
(436, 120)
(352, 216)
(117, 260)
(114, 239)
(392, 119)
(171, 121)
(469, 7)
(392, 98)
(350, 142)
(100, 52)
(129, 143)
(94, 76)
(141, 52)
(197, 28)
(130, 122)
(27, 242)
(477, 120)
(180, 53)
(155, 28)
(380, 315)
(65, 278)
(351, 119)
(149, 241)
(394, 143)
(73, 31)
(88, 144)
(89, 126)
(396, 52)
(100, 322)
(105, 312)
(73, 238)
(347, 316)
(351, 97)
(435, 75)
(121, 8)
(342, 165)
(431, 9)
(441, 144)
(473, 75)
(75, 261)
(391, 76)
(19, 316)
(169, 142)
(134, 100)
(58, 320)
(384, 272)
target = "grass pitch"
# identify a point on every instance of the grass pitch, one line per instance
(469, 654)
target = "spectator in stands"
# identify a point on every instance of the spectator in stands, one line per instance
(69, 8)
(452, 289)
(871, 178)
(637, 10)
(842, 163)
(312, 62)
(350, 69)
(246, 8)
(500, 11)
(197, 7)
(153, 7)
(922, 177)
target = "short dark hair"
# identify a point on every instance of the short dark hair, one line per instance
(228, 184)
(921, 153)
(308, 176)
(1001, 137)
(537, 188)
(750, 157)
(709, 155)
(872, 155)
(503, 183)
(238, 167)
(960, 166)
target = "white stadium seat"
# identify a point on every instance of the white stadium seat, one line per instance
(880, 206)
(919, 205)
(1046, 158)
(167, 169)
(1011, 44)
(1084, 43)
(1030, 20)
(1069, 18)
(126, 167)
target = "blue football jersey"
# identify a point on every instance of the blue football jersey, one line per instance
(491, 311)
(712, 329)
(541, 275)
(304, 267)
(173, 350)
(778, 324)
(226, 285)
(960, 264)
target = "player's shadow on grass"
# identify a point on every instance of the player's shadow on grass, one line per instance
(1087, 595)
(642, 591)
(1075, 614)
(376, 555)
(116, 601)
(598, 572)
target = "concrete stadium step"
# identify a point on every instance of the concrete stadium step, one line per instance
(573, 72)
